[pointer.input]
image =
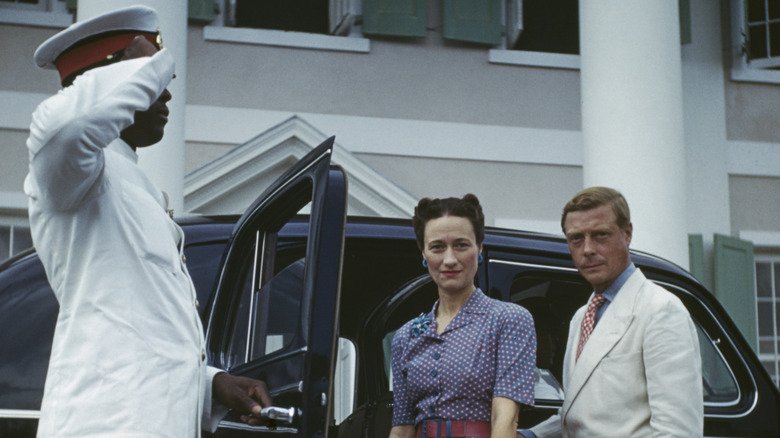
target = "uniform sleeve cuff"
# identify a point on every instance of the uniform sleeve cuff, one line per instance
(213, 410)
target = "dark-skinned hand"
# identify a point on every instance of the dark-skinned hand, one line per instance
(138, 48)
(242, 394)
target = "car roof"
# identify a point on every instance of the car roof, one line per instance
(209, 227)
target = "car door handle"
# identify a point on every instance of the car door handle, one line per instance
(276, 413)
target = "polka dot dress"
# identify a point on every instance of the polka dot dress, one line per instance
(488, 350)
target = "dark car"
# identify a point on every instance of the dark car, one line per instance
(309, 303)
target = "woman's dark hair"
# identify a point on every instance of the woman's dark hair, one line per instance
(468, 207)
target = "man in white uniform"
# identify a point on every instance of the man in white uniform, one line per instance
(128, 357)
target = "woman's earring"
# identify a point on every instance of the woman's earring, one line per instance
(480, 259)
(425, 263)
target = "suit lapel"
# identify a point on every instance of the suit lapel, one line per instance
(610, 329)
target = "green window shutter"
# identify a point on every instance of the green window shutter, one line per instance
(71, 5)
(685, 22)
(735, 283)
(696, 256)
(477, 21)
(201, 11)
(394, 17)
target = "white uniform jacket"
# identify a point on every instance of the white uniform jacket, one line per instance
(639, 374)
(128, 357)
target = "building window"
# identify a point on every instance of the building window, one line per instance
(328, 17)
(755, 41)
(35, 5)
(762, 33)
(768, 311)
(14, 239)
(551, 26)
(47, 13)
(306, 24)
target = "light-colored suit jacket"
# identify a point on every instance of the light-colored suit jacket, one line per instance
(639, 374)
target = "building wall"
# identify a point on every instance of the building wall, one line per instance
(755, 204)
(17, 45)
(752, 112)
(425, 80)
(428, 79)
(506, 190)
(13, 166)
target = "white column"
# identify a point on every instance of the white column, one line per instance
(632, 120)
(704, 104)
(163, 162)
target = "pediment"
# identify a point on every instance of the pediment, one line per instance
(229, 184)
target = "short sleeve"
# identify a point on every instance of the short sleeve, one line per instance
(402, 406)
(516, 356)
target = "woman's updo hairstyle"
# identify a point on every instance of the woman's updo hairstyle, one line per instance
(468, 207)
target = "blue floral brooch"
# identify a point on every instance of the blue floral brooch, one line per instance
(419, 324)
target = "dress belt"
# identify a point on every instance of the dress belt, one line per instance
(437, 428)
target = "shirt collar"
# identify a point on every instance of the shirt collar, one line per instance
(119, 146)
(477, 303)
(612, 290)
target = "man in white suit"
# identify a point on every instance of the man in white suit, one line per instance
(632, 366)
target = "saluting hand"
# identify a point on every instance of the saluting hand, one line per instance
(139, 48)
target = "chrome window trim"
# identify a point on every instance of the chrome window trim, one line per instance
(21, 414)
(226, 424)
(533, 265)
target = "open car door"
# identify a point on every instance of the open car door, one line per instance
(275, 310)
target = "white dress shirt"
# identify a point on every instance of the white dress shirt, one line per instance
(128, 357)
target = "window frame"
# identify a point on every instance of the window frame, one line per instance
(500, 54)
(39, 5)
(347, 35)
(311, 181)
(741, 70)
(14, 228)
(774, 303)
(47, 13)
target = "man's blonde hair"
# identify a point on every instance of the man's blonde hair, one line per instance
(593, 197)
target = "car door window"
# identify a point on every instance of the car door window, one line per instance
(552, 301)
(718, 380)
(203, 264)
(282, 262)
(553, 294)
(719, 383)
(268, 315)
(28, 313)
(412, 299)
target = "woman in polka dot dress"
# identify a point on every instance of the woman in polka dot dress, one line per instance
(466, 368)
